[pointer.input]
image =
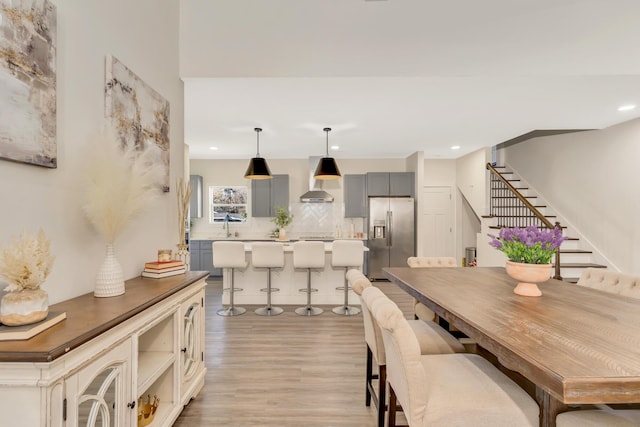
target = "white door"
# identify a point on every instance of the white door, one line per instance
(437, 220)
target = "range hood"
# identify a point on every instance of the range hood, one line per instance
(315, 194)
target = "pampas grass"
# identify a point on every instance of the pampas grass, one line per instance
(183, 191)
(26, 263)
(119, 184)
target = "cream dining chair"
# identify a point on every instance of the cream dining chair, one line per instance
(421, 311)
(448, 389)
(432, 339)
(599, 418)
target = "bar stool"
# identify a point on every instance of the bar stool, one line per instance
(346, 254)
(229, 255)
(308, 255)
(268, 255)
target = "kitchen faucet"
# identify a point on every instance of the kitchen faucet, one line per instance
(226, 225)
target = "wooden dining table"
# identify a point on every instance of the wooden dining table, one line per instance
(576, 344)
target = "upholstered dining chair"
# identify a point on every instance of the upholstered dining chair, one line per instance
(432, 339)
(421, 311)
(599, 418)
(610, 281)
(621, 284)
(444, 389)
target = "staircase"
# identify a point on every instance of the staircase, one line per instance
(515, 205)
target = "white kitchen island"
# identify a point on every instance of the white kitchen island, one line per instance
(289, 281)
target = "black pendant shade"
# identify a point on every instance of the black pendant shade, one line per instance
(258, 168)
(327, 167)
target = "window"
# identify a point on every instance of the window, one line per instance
(228, 204)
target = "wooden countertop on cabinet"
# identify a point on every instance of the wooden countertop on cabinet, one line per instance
(88, 317)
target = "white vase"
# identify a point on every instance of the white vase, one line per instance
(24, 307)
(110, 279)
(282, 234)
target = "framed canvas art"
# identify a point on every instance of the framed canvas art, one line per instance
(137, 114)
(28, 82)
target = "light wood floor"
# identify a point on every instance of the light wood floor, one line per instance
(287, 370)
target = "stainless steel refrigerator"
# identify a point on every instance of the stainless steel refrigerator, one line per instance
(391, 237)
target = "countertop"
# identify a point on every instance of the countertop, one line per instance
(265, 239)
(88, 317)
(328, 246)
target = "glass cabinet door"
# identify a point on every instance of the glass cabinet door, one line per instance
(191, 353)
(99, 395)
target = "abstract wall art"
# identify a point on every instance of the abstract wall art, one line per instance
(28, 82)
(136, 114)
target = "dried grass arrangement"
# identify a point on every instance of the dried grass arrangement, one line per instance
(183, 191)
(120, 183)
(26, 262)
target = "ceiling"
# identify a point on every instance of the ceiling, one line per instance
(392, 77)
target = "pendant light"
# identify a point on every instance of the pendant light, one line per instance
(327, 167)
(258, 168)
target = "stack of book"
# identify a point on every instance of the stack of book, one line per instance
(159, 269)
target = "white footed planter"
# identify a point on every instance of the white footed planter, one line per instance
(110, 279)
(24, 307)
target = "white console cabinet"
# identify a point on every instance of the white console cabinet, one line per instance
(92, 368)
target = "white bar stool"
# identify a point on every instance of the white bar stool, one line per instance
(347, 254)
(308, 255)
(268, 255)
(229, 255)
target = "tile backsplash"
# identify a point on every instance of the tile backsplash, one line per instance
(309, 220)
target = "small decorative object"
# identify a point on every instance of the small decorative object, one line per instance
(165, 255)
(528, 276)
(282, 219)
(530, 251)
(25, 264)
(147, 410)
(183, 192)
(120, 182)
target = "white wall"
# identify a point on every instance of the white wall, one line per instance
(143, 34)
(472, 199)
(471, 178)
(590, 178)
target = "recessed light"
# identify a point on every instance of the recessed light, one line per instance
(626, 107)
(335, 147)
(213, 148)
(455, 147)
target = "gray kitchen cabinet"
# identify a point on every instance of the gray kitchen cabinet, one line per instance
(196, 201)
(206, 258)
(402, 184)
(202, 257)
(268, 194)
(378, 184)
(261, 197)
(194, 255)
(355, 196)
(390, 184)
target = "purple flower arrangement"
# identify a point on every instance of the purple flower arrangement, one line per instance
(530, 245)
